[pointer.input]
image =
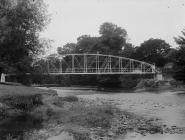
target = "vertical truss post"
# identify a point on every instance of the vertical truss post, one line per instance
(73, 70)
(60, 65)
(131, 66)
(141, 67)
(48, 66)
(106, 64)
(110, 61)
(85, 63)
(144, 69)
(97, 64)
(153, 68)
(119, 70)
(130, 69)
(121, 64)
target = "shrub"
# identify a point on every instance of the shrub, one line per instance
(129, 82)
(22, 102)
(70, 99)
(175, 83)
(93, 116)
(147, 83)
(2, 112)
(58, 101)
(80, 135)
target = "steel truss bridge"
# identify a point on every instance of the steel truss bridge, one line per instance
(92, 64)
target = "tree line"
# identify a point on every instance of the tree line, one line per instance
(21, 22)
(114, 40)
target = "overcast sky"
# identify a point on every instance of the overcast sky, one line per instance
(142, 19)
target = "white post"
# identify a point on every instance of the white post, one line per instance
(2, 77)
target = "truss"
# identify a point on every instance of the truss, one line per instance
(93, 64)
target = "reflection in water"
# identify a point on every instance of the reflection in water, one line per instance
(16, 126)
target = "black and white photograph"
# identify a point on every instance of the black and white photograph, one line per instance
(92, 69)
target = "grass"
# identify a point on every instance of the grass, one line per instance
(22, 90)
(22, 102)
(21, 97)
(70, 99)
(63, 109)
(91, 116)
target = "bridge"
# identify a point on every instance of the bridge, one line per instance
(92, 64)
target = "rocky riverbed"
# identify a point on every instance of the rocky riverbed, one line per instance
(88, 114)
(166, 109)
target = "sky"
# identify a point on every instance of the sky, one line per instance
(142, 19)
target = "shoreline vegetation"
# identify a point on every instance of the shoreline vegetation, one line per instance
(73, 117)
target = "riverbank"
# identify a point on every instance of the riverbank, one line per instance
(76, 118)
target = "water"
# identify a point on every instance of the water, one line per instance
(17, 126)
(167, 106)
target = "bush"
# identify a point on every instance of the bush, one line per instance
(58, 101)
(144, 83)
(2, 112)
(93, 116)
(129, 82)
(70, 99)
(80, 135)
(176, 83)
(22, 102)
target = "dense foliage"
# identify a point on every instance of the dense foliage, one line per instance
(20, 24)
(153, 51)
(179, 58)
(111, 41)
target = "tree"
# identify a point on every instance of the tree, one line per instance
(153, 51)
(20, 24)
(113, 38)
(67, 49)
(128, 50)
(171, 55)
(179, 61)
(180, 40)
(112, 41)
(87, 44)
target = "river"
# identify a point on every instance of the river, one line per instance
(167, 106)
